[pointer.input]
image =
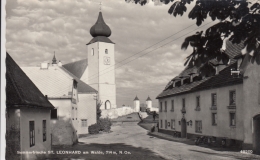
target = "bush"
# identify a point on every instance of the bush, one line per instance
(103, 124)
(94, 129)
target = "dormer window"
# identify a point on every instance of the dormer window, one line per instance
(182, 81)
(106, 51)
(191, 78)
(173, 84)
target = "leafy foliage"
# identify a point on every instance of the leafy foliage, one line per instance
(103, 124)
(99, 110)
(239, 21)
(94, 129)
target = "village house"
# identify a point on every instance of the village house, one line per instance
(224, 106)
(74, 101)
(28, 114)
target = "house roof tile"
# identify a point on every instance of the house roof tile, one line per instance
(20, 90)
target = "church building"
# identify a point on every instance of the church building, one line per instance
(98, 68)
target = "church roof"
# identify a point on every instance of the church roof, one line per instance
(136, 99)
(82, 86)
(100, 31)
(100, 39)
(51, 81)
(148, 98)
(20, 90)
(100, 28)
(77, 68)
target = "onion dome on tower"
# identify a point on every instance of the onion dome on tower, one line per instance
(100, 31)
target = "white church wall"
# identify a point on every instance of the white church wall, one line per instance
(107, 87)
(86, 110)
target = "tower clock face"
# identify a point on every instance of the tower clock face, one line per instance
(107, 60)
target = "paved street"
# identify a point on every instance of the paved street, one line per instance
(133, 140)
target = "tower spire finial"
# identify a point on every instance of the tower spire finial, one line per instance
(54, 61)
(100, 6)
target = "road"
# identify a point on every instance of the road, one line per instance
(133, 142)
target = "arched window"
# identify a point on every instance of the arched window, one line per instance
(92, 51)
(106, 51)
(107, 104)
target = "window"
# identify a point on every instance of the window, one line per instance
(44, 135)
(214, 99)
(173, 124)
(92, 51)
(161, 124)
(214, 119)
(172, 106)
(198, 126)
(198, 102)
(74, 84)
(165, 106)
(183, 103)
(54, 114)
(232, 97)
(32, 133)
(160, 106)
(232, 119)
(106, 51)
(165, 124)
(84, 123)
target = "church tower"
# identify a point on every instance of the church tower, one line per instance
(101, 63)
(149, 102)
(136, 104)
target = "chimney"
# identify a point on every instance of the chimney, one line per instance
(44, 65)
(59, 64)
(219, 68)
(239, 61)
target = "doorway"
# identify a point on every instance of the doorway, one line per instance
(183, 128)
(256, 134)
(107, 104)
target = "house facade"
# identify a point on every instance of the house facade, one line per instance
(28, 114)
(223, 106)
(72, 98)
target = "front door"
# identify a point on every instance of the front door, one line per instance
(256, 134)
(183, 128)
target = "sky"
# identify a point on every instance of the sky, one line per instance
(37, 28)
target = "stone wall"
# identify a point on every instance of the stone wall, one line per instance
(116, 112)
